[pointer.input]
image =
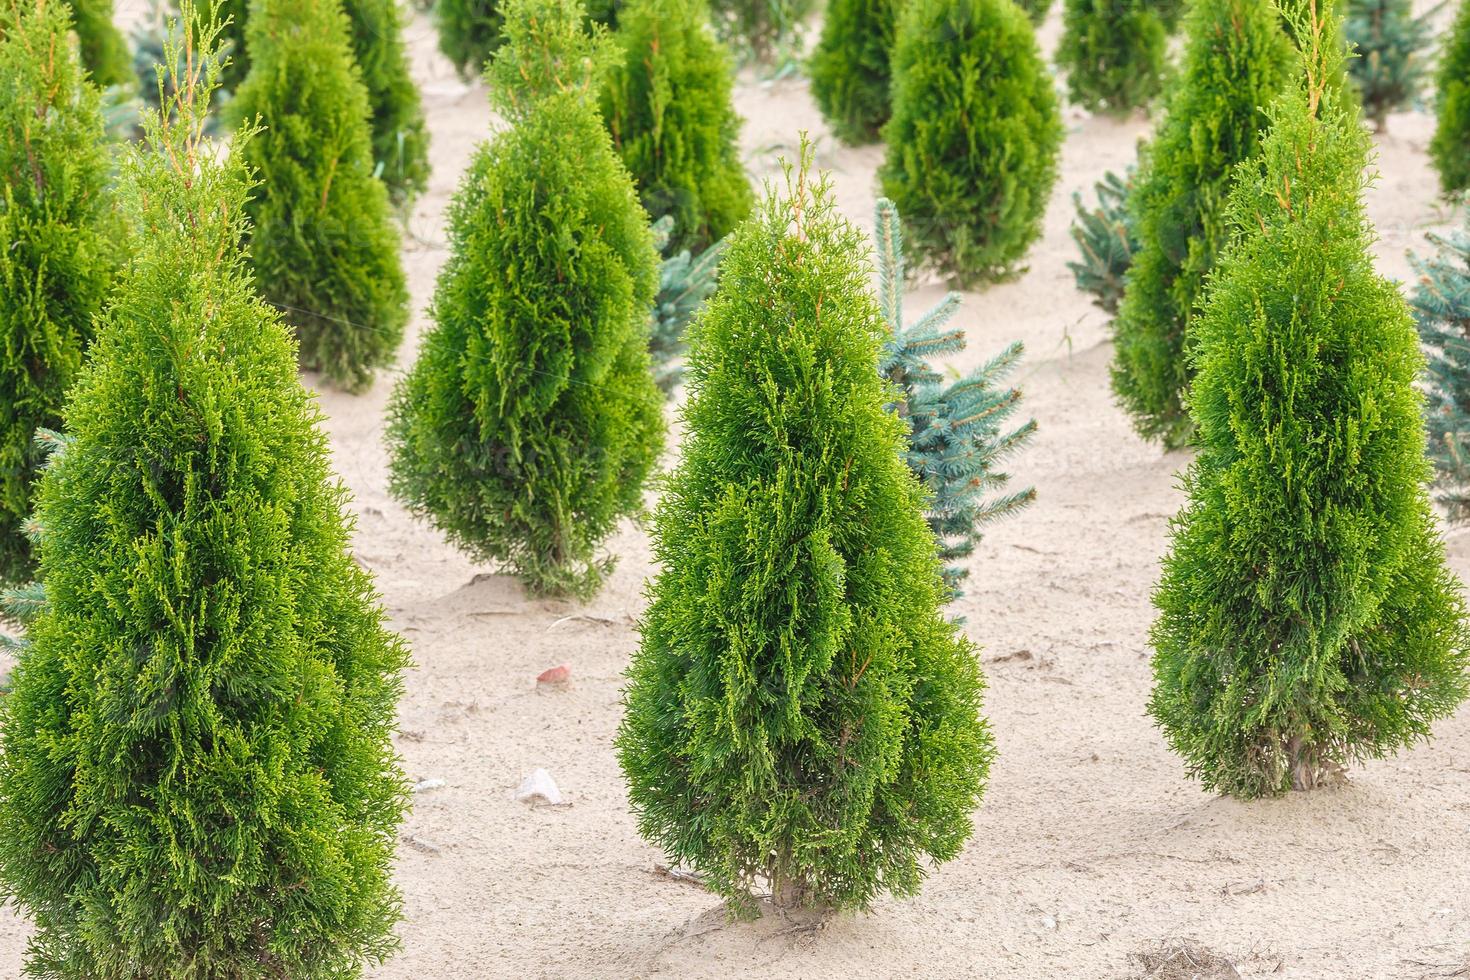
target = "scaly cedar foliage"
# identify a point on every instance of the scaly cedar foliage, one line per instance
(849, 69)
(1392, 47)
(469, 32)
(529, 424)
(958, 428)
(61, 238)
(400, 141)
(197, 778)
(800, 713)
(1450, 147)
(231, 17)
(1238, 58)
(1114, 53)
(974, 138)
(1441, 304)
(1307, 617)
(104, 50)
(667, 105)
(323, 242)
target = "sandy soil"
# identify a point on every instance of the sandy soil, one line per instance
(1091, 847)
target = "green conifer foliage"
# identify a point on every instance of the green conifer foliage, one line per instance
(667, 105)
(1107, 239)
(1442, 311)
(973, 142)
(1450, 147)
(958, 429)
(324, 246)
(1392, 47)
(529, 424)
(231, 17)
(800, 712)
(197, 778)
(685, 281)
(1237, 60)
(761, 29)
(1035, 9)
(1307, 618)
(1113, 52)
(104, 50)
(849, 69)
(400, 141)
(469, 32)
(60, 235)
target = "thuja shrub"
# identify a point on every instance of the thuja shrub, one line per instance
(849, 70)
(469, 32)
(761, 29)
(104, 50)
(61, 240)
(667, 105)
(1307, 617)
(1441, 304)
(531, 420)
(230, 18)
(1450, 147)
(973, 142)
(323, 246)
(400, 141)
(959, 428)
(1237, 60)
(197, 778)
(1113, 52)
(800, 714)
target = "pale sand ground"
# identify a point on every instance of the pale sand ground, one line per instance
(1090, 845)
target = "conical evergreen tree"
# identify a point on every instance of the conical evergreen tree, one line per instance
(197, 778)
(60, 235)
(400, 141)
(1307, 618)
(1450, 148)
(1113, 52)
(104, 50)
(529, 424)
(1442, 312)
(324, 246)
(958, 428)
(667, 105)
(469, 32)
(1107, 238)
(1238, 59)
(800, 711)
(1392, 48)
(973, 142)
(850, 67)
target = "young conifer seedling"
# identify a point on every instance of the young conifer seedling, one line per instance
(1114, 53)
(323, 242)
(400, 142)
(1307, 618)
(850, 67)
(61, 238)
(529, 424)
(667, 106)
(1450, 147)
(1107, 238)
(684, 283)
(197, 778)
(958, 429)
(1392, 48)
(800, 713)
(973, 142)
(104, 50)
(1238, 58)
(1442, 311)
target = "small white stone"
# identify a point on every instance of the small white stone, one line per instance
(539, 786)
(427, 784)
